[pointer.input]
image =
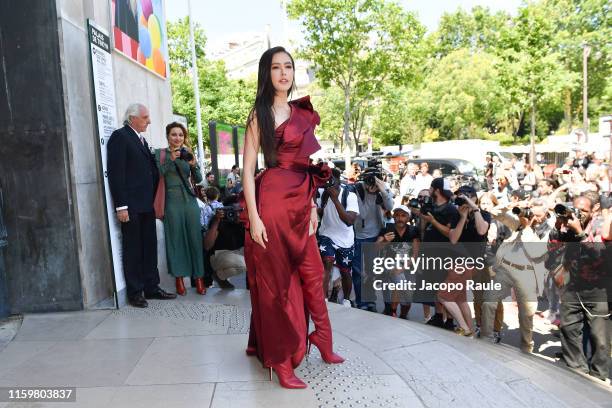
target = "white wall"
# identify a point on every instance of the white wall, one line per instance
(133, 83)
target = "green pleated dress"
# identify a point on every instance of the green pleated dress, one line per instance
(181, 219)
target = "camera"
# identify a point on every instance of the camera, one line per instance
(424, 204)
(459, 201)
(185, 155)
(522, 212)
(331, 182)
(565, 213)
(369, 176)
(413, 203)
(231, 213)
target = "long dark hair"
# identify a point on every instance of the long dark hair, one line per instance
(263, 104)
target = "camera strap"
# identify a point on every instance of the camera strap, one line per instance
(185, 184)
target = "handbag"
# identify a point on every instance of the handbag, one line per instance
(159, 203)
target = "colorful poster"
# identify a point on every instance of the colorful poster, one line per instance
(139, 32)
(225, 151)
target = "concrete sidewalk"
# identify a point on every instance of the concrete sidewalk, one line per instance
(190, 353)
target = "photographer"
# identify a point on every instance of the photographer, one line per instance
(338, 210)
(581, 266)
(408, 235)
(471, 230)
(519, 264)
(373, 198)
(182, 231)
(233, 184)
(224, 242)
(441, 216)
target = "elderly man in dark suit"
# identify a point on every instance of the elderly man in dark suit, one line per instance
(133, 177)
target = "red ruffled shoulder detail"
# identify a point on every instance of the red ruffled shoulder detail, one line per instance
(305, 104)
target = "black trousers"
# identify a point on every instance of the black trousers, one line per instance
(573, 320)
(140, 254)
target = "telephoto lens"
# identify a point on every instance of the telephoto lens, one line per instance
(522, 212)
(566, 212)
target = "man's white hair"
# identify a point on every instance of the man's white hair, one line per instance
(133, 110)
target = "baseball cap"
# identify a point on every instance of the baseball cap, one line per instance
(403, 208)
(442, 184)
(468, 191)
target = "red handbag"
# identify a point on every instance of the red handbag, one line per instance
(159, 203)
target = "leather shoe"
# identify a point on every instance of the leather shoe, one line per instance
(160, 294)
(225, 284)
(138, 301)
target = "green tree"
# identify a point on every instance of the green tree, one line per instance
(358, 45)
(530, 44)
(579, 22)
(221, 99)
(478, 30)
(461, 95)
(330, 105)
(394, 123)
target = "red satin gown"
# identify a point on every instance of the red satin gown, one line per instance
(287, 276)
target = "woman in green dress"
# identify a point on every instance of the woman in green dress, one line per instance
(181, 215)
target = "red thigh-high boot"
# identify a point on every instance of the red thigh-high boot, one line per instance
(286, 377)
(311, 273)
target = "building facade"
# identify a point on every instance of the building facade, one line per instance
(58, 255)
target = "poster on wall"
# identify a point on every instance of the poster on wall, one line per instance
(106, 109)
(139, 33)
(226, 153)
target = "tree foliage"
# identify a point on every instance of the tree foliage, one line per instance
(359, 46)
(479, 74)
(221, 99)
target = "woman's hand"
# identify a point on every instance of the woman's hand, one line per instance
(175, 154)
(258, 231)
(314, 221)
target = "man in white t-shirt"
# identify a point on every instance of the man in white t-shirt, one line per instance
(338, 209)
(409, 184)
(233, 179)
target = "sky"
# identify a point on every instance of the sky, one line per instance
(222, 18)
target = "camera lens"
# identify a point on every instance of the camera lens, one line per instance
(459, 201)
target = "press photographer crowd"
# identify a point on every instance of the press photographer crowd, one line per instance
(539, 237)
(542, 233)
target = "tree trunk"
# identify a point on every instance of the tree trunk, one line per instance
(347, 119)
(532, 152)
(567, 110)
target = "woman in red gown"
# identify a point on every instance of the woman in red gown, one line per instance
(284, 267)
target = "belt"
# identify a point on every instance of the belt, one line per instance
(519, 267)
